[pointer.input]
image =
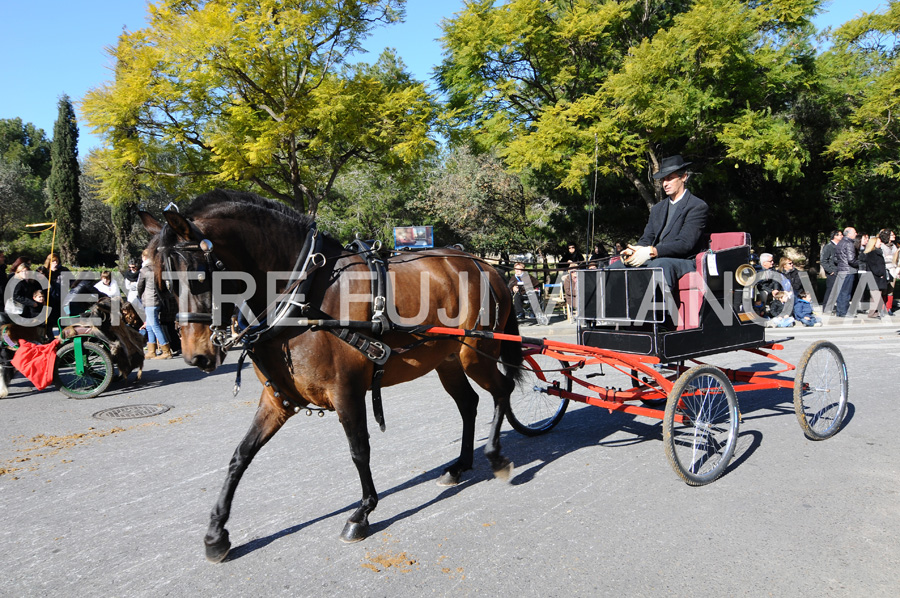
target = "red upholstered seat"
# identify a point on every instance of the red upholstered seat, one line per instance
(692, 285)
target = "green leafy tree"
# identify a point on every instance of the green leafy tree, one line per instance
(259, 94)
(562, 88)
(24, 168)
(472, 200)
(63, 190)
(25, 144)
(864, 69)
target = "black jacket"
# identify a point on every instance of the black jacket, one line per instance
(846, 255)
(875, 264)
(685, 236)
(828, 258)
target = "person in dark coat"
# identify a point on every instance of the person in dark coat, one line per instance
(848, 265)
(874, 260)
(674, 234)
(27, 294)
(828, 261)
(524, 288)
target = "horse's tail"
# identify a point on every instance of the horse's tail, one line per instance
(511, 351)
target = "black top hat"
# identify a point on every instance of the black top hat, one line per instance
(670, 165)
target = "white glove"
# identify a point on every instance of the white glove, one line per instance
(639, 255)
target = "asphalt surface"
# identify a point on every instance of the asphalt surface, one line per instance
(94, 507)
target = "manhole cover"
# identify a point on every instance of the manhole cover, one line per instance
(132, 411)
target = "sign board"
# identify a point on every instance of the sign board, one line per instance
(413, 237)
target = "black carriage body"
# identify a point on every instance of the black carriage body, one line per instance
(630, 310)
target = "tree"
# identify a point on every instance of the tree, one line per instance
(260, 94)
(63, 184)
(864, 66)
(24, 167)
(563, 87)
(25, 144)
(471, 199)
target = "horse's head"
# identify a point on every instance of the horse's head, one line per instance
(184, 262)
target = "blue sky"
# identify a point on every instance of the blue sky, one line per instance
(55, 47)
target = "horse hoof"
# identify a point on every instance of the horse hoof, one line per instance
(216, 553)
(354, 532)
(448, 479)
(504, 472)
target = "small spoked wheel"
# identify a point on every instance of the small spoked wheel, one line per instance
(649, 382)
(532, 409)
(700, 426)
(821, 387)
(90, 378)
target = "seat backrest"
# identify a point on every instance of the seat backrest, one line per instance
(719, 241)
(692, 286)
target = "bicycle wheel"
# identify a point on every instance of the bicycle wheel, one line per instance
(821, 387)
(700, 446)
(96, 375)
(532, 410)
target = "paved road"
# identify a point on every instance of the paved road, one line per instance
(94, 507)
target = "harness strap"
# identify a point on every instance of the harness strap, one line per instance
(374, 350)
(377, 407)
(378, 283)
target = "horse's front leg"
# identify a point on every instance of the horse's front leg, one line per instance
(352, 413)
(266, 422)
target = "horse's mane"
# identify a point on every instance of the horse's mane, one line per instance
(248, 207)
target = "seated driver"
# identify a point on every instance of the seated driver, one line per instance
(674, 233)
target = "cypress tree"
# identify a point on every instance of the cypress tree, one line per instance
(62, 186)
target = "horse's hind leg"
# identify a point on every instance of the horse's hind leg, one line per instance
(485, 373)
(457, 385)
(266, 422)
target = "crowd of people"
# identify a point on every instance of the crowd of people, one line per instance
(782, 297)
(66, 294)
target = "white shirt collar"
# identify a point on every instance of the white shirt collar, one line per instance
(679, 198)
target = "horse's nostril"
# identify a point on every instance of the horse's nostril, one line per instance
(201, 361)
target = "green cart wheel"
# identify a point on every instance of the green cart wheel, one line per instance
(84, 369)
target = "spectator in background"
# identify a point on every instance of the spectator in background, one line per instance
(156, 336)
(828, 261)
(848, 266)
(571, 255)
(55, 294)
(889, 249)
(803, 311)
(774, 289)
(81, 296)
(598, 253)
(786, 267)
(874, 260)
(107, 285)
(524, 287)
(570, 291)
(27, 298)
(131, 284)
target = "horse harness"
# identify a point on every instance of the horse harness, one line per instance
(299, 283)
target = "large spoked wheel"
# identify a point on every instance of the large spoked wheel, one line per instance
(700, 426)
(821, 388)
(532, 410)
(96, 373)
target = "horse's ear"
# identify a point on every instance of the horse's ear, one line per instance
(179, 223)
(151, 224)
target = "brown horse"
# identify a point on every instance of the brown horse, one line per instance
(300, 365)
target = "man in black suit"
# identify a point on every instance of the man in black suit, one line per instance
(674, 233)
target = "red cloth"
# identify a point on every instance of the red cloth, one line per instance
(36, 362)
